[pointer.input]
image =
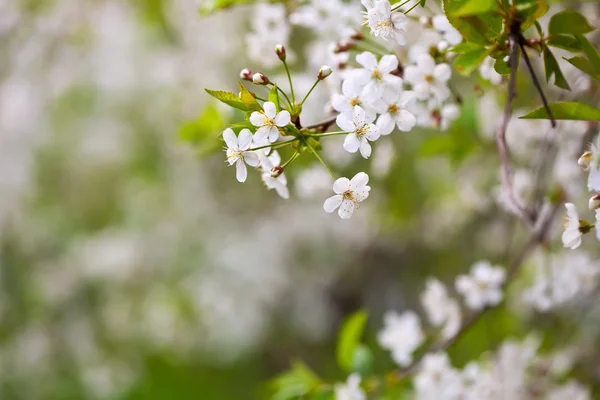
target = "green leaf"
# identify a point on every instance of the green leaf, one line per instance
(569, 21)
(362, 360)
(464, 47)
(566, 110)
(502, 66)
(474, 7)
(349, 337)
(274, 97)
(590, 51)
(529, 11)
(248, 99)
(552, 68)
(585, 65)
(297, 382)
(231, 99)
(201, 132)
(565, 42)
(482, 29)
(468, 62)
(218, 5)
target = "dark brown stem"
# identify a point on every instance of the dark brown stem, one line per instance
(323, 125)
(536, 83)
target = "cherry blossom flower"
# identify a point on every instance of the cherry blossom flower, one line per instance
(348, 194)
(279, 183)
(571, 237)
(350, 390)
(593, 164)
(361, 130)
(449, 33)
(383, 22)
(440, 308)
(394, 112)
(437, 379)
(428, 79)
(352, 95)
(401, 335)
(237, 152)
(268, 122)
(488, 72)
(376, 75)
(483, 286)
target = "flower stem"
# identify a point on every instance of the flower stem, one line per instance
(287, 71)
(310, 91)
(397, 6)
(327, 134)
(273, 145)
(292, 159)
(412, 8)
(320, 160)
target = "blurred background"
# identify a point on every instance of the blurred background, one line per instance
(134, 266)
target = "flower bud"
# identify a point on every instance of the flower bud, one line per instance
(280, 50)
(356, 35)
(246, 74)
(585, 160)
(324, 72)
(443, 46)
(343, 46)
(594, 202)
(260, 79)
(276, 171)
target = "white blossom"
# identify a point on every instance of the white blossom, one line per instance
(440, 308)
(594, 167)
(351, 390)
(348, 194)
(401, 335)
(237, 152)
(279, 183)
(483, 286)
(429, 81)
(437, 379)
(488, 72)
(393, 108)
(351, 96)
(449, 33)
(383, 22)
(572, 390)
(376, 75)
(571, 237)
(360, 130)
(268, 122)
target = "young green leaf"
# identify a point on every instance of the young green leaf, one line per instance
(468, 62)
(201, 132)
(274, 97)
(565, 42)
(482, 29)
(590, 51)
(349, 337)
(569, 21)
(585, 65)
(362, 360)
(552, 68)
(566, 110)
(529, 11)
(248, 99)
(501, 66)
(295, 383)
(475, 7)
(231, 99)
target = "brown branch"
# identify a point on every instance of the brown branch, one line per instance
(537, 237)
(323, 125)
(528, 216)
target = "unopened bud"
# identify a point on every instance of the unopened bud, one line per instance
(343, 46)
(585, 160)
(324, 72)
(280, 50)
(246, 74)
(276, 171)
(357, 36)
(594, 202)
(259, 79)
(443, 46)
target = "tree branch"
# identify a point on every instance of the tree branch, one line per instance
(323, 125)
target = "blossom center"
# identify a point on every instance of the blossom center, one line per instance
(377, 74)
(355, 102)
(349, 195)
(429, 78)
(393, 109)
(362, 131)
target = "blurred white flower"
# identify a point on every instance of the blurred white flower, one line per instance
(393, 108)
(383, 22)
(483, 286)
(349, 194)
(440, 308)
(449, 33)
(376, 75)
(571, 237)
(572, 390)
(437, 379)
(429, 81)
(401, 335)
(488, 72)
(279, 183)
(350, 390)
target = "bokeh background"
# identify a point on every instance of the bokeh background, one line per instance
(134, 266)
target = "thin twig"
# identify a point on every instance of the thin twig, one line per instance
(323, 125)
(536, 83)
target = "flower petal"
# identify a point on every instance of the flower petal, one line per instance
(426, 63)
(346, 209)
(367, 60)
(341, 185)
(251, 158)
(344, 121)
(240, 171)
(386, 123)
(270, 109)
(365, 148)
(273, 134)
(359, 116)
(359, 181)
(262, 134)
(283, 118)
(332, 203)
(405, 120)
(388, 63)
(340, 103)
(245, 139)
(351, 143)
(442, 72)
(230, 139)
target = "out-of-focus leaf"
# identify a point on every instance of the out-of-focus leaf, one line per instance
(203, 130)
(475, 7)
(501, 66)
(569, 21)
(349, 338)
(231, 99)
(362, 360)
(217, 5)
(565, 42)
(248, 99)
(529, 11)
(552, 68)
(468, 62)
(590, 51)
(464, 47)
(295, 383)
(482, 29)
(566, 110)
(585, 65)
